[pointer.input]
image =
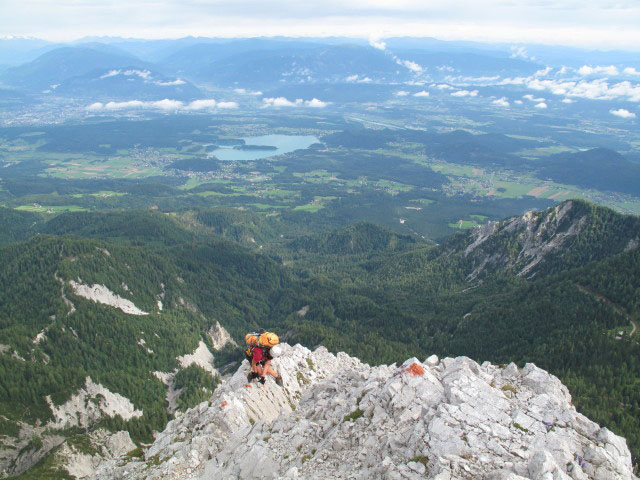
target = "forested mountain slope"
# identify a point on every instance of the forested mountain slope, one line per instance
(558, 288)
(77, 312)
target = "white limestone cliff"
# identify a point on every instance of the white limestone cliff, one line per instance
(220, 337)
(101, 294)
(88, 405)
(336, 417)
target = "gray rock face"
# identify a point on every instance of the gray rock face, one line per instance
(220, 337)
(338, 418)
(103, 446)
(536, 236)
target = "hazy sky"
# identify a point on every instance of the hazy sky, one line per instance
(594, 23)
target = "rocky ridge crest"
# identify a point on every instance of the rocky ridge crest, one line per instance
(536, 235)
(336, 417)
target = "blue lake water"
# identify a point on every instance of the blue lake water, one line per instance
(283, 144)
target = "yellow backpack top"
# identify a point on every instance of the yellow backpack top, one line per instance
(266, 339)
(261, 339)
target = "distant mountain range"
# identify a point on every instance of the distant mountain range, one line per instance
(313, 67)
(128, 83)
(598, 168)
(62, 64)
(245, 63)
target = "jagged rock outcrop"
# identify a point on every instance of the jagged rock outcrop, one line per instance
(336, 417)
(22, 453)
(79, 456)
(220, 337)
(533, 237)
(536, 243)
(88, 405)
(98, 447)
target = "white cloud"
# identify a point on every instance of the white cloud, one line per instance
(95, 107)
(544, 72)
(244, 91)
(177, 81)
(531, 98)
(501, 102)
(630, 71)
(597, 89)
(315, 103)
(541, 105)
(462, 80)
(422, 93)
(144, 74)
(401, 93)
(518, 102)
(465, 93)
(202, 104)
(124, 105)
(622, 113)
(284, 102)
(166, 105)
(446, 68)
(605, 70)
(377, 43)
(111, 73)
(567, 100)
(444, 86)
(280, 102)
(413, 66)
(520, 52)
(227, 105)
(356, 78)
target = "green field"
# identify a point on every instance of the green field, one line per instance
(464, 224)
(50, 208)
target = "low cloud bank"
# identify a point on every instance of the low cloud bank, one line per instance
(166, 105)
(596, 89)
(278, 102)
(145, 75)
(465, 93)
(599, 70)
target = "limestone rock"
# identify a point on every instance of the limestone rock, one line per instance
(220, 337)
(337, 418)
(88, 405)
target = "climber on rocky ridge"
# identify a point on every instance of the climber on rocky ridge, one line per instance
(262, 347)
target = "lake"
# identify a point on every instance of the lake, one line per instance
(283, 144)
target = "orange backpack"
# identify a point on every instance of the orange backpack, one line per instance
(264, 339)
